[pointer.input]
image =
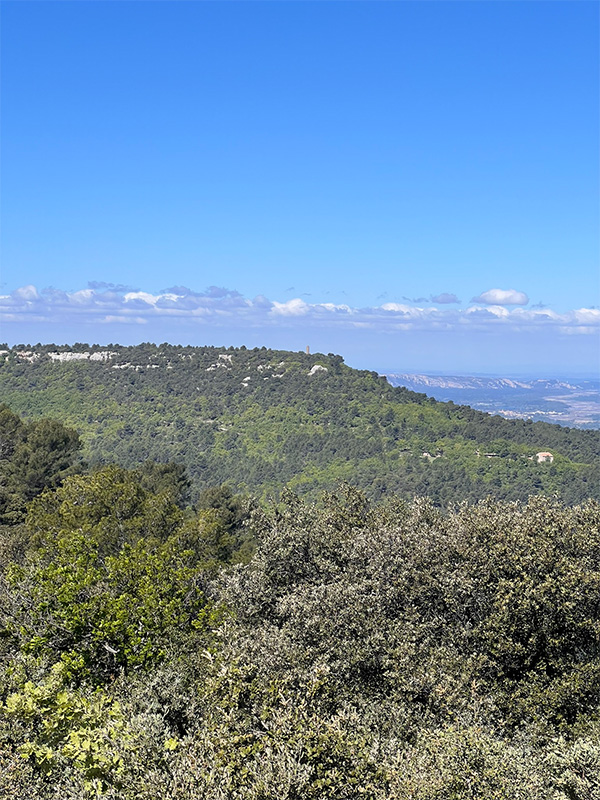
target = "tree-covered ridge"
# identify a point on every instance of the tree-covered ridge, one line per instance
(390, 651)
(260, 419)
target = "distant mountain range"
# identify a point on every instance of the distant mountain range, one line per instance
(575, 403)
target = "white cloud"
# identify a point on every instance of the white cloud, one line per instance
(26, 293)
(494, 311)
(83, 296)
(225, 308)
(587, 316)
(144, 297)
(112, 318)
(399, 308)
(502, 297)
(342, 309)
(293, 308)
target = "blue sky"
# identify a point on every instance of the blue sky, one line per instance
(413, 185)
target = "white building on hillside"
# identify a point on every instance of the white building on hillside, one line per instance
(544, 457)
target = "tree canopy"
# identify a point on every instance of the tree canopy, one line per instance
(260, 419)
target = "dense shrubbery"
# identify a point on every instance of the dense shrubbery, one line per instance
(379, 651)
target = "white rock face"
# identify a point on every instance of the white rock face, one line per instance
(102, 355)
(317, 368)
(69, 356)
(223, 362)
(28, 355)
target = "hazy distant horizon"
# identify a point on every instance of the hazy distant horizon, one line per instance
(524, 376)
(565, 400)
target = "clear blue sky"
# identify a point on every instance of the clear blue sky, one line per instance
(373, 172)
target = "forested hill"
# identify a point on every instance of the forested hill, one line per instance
(260, 419)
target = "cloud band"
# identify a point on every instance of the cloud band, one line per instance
(107, 304)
